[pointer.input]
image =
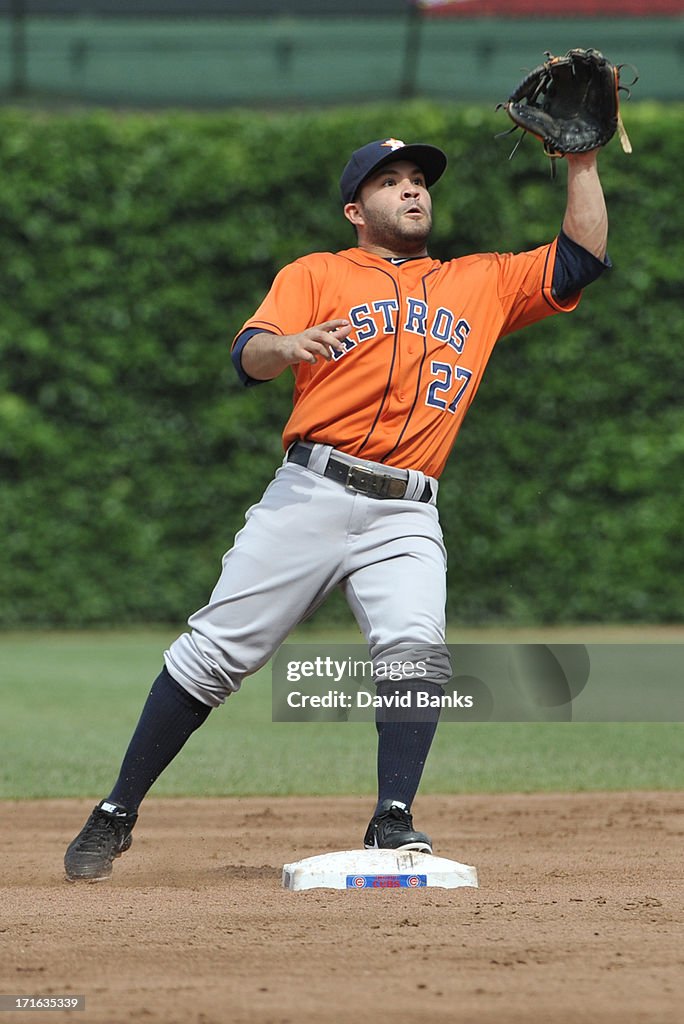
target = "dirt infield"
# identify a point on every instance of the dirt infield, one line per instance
(578, 917)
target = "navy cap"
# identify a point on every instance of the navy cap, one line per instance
(431, 160)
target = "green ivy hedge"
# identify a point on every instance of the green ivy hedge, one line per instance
(133, 247)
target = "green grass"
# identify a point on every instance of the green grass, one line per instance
(70, 701)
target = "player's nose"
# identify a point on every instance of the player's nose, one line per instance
(409, 189)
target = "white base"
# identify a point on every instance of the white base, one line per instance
(377, 869)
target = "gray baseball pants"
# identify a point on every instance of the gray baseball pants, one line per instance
(306, 536)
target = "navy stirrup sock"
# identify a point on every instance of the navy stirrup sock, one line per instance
(170, 715)
(403, 747)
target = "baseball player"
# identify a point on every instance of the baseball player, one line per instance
(387, 347)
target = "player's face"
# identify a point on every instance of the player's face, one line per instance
(393, 210)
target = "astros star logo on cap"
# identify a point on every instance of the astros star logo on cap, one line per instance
(393, 143)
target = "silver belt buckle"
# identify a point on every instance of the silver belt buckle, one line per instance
(377, 485)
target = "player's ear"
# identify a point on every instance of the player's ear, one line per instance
(353, 213)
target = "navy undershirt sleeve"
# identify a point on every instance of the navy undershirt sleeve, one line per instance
(236, 355)
(575, 268)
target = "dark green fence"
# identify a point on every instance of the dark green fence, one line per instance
(287, 60)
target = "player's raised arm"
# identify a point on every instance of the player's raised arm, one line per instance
(586, 218)
(266, 355)
(571, 104)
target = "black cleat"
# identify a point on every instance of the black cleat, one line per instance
(105, 836)
(392, 829)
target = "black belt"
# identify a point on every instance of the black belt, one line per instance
(363, 479)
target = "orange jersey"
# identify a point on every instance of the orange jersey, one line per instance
(423, 332)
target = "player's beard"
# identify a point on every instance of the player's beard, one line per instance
(396, 232)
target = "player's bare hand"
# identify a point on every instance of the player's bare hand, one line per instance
(266, 355)
(321, 341)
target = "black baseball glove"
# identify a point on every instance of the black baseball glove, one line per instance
(571, 103)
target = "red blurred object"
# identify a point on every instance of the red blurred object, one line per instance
(557, 9)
